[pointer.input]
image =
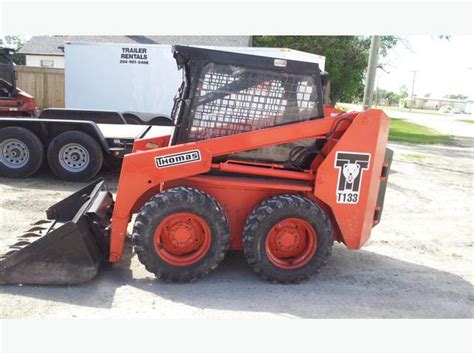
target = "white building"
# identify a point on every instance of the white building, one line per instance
(433, 103)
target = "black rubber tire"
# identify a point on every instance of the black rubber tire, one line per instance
(265, 216)
(132, 119)
(161, 121)
(176, 200)
(35, 148)
(96, 157)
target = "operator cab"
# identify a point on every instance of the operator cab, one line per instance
(225, 93)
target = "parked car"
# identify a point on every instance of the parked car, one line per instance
(445, 109)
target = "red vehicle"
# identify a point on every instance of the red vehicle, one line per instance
(13, 101)
(273, 173)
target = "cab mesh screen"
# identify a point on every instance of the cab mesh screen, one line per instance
(233, 100)
(233, 93)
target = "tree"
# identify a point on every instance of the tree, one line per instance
(346, 59)
(386, 97)
(392, 98)
(403, 92)
(15, 43)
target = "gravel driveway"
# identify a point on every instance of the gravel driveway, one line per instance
(418, 263)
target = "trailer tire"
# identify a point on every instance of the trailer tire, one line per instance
(161, 121)
(26, 146)
(287, 239)
(181, 234)
(75, 156)
(132, 119)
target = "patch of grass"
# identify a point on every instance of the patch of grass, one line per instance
(343, 107)
(467, 121)
(404, 131)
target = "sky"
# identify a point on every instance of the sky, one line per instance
(443, 66)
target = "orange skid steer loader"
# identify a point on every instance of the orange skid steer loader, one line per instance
(256, 163)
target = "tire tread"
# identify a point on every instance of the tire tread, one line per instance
(35, 147)
(159, 204)
(267, 208)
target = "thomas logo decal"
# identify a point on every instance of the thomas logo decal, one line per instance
(178, 159)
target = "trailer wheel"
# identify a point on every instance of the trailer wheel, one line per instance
(287, 238)
(181, 234)
(21, 152)
(74, 156)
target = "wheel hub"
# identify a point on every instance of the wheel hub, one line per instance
(291, 243)
(287, 239)
(182, 234)
(182, 239)
(14, 153)
(74, 157)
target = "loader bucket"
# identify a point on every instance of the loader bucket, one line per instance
(68, 247)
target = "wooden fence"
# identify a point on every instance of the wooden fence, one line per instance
(45, 84)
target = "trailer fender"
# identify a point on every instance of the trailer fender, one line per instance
(97, 116)
(156, 119)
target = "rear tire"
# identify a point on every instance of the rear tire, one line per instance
(287, 238)
(181, 234)
(21, 152)
(75, 156)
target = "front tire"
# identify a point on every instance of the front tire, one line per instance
(75, 156)
(21, 152)
(287, 238)
(181, 234)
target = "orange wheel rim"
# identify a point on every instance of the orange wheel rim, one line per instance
(182, 239)
(291, 243)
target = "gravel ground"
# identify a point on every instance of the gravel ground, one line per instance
(417, 264)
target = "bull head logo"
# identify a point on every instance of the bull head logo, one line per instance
(351, 171)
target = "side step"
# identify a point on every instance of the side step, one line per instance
(69, 247)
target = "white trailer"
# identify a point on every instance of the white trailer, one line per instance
(137, 77)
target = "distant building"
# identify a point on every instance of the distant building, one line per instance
(469, 106)
(432, 103)
(47, 51)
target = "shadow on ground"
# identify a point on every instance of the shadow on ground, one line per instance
(354, 284)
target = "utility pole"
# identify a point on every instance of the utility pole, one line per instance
(371, 71)
(377, 94)
(412, 88)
